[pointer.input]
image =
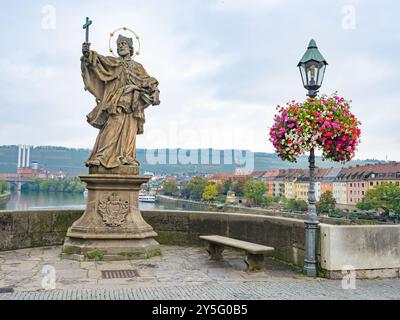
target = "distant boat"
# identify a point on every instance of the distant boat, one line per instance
(147, 198)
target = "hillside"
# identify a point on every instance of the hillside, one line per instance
(72, 161)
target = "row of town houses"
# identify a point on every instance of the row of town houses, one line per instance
(348, 185)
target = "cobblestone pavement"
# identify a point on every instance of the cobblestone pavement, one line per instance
(181, 273)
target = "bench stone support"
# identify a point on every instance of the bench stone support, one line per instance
(214, 251)
(254, 262)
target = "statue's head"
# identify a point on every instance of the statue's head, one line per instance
(124, 46)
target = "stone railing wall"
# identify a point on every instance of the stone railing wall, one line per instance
(32, 228)
(35, 228)
(364, 251)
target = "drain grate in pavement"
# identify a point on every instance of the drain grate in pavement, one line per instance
(119, 274)
(6, 290)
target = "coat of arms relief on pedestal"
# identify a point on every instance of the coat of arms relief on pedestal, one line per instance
(113, 210)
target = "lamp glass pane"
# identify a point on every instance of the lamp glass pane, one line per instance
(303, 73)
(321, 73)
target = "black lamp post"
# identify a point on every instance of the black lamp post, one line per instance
(312, 69)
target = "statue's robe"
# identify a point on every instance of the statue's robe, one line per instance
(118, 115)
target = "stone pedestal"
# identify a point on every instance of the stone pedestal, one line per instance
(112, 227)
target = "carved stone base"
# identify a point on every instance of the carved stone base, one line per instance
(112, 213)
(109, 250)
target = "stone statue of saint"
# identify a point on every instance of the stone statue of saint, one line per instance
(123, 90)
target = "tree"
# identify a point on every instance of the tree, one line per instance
(255, 191)
(327, 203)
(170, 187)
(385, 196)
(68, 185)
(238, 186)
(220, 188)
(34, 185)
(196, 187)
(227, 186)
(210, 192)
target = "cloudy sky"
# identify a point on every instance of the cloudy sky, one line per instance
(223, 66)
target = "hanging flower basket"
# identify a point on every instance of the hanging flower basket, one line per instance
(324, 123)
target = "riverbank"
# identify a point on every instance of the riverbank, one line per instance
(4, 197)
(202, 206)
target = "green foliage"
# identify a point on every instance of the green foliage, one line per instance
(281, 200)
(255, 191)
(385, 196)
(268, 201)
(153, 253)
(336, 213)
(69, 185)
(210, 192)
(297, 205)
(131, 254)
(327, 203)
(95, 255)
(196, 187)
(4, 187)
(170, 187)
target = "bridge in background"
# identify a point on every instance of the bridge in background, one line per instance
(15, 179)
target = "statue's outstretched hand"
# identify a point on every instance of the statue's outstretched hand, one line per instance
(86, 49)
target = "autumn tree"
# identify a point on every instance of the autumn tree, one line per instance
(210, 192)
(255, 191)
(196, 187)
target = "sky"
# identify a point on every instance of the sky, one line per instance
(223, 66)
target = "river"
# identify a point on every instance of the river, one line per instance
(40, 200)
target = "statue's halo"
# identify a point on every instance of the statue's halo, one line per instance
(136, 37)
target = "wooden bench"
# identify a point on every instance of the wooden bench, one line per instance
(255, 252)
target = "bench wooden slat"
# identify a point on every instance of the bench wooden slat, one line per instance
(252, 248)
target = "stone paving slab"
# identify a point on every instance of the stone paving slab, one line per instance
(377, 290)
(181, 273)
